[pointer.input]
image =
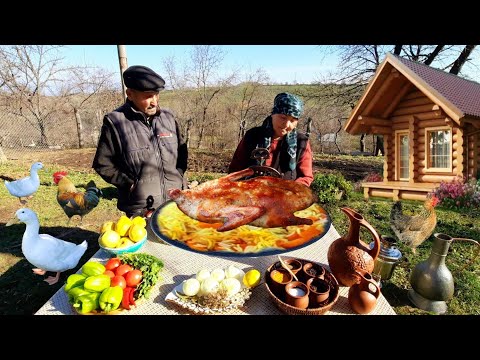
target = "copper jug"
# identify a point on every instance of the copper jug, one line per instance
(363, 296)
(348, 253)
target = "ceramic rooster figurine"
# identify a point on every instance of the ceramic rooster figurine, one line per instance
(44, 251)
(26, 186)
(72, 201)
(414, 230)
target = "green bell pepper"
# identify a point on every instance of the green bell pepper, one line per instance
(111, 298)
(97, 283)
(75, 292)
(87, 303)
(74, 280)
(92, 268)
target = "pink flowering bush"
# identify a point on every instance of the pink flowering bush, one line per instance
(371, 177)
(459, 193)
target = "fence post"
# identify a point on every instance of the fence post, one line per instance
(122, 60)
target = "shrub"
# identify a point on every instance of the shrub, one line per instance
(200, 177)
(329, 186)
(371, 177)
(459, 193)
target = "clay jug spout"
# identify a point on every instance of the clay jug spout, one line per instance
(357, 220)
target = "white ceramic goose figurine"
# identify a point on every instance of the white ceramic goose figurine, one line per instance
(46, 252)
(26, 186)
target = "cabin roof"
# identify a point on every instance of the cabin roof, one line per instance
(457, 96)
(462, 93)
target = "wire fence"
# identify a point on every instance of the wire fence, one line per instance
(23, 134)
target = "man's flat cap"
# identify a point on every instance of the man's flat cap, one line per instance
(142, 78)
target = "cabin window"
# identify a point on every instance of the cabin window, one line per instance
(439, 149)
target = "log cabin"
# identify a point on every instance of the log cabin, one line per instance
(430, 122)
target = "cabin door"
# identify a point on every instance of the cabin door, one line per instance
(402, 155)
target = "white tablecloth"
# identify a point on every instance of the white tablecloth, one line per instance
(181, 264)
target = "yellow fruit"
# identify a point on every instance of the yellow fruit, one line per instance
(123, 224)
(138, 220)
(252, 278)
(109, 225)
(124, 242)
(137, 233)
(110, 239)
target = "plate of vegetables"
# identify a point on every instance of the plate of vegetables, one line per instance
(120, 284)
(216, 291)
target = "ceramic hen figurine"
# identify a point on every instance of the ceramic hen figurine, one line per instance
(46, 252)
(26, 186)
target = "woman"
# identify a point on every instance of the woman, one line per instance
(289, 150)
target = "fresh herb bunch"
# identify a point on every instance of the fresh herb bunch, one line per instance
(150, 267)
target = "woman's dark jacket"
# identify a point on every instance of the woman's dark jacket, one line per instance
(255, 138)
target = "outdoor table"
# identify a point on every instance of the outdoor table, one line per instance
(180, 264)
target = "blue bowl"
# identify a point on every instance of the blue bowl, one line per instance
(129, 249)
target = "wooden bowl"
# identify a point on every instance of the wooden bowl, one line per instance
(291, 310)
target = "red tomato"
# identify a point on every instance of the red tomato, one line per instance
(118, 280)
(113, 263)
(109, 273)
(133, 277)
(123, 269)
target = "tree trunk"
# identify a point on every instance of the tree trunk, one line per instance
(362, 142)
(3, 158)
(309, 127)
(379, 146)
(433, 54)
(78, 120)
(241, 130)
(188, 131)
(462, 58)
(397, 50)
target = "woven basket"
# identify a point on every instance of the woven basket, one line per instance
(291, 310)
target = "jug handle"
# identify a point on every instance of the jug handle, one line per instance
(473, 259)
(373, 252)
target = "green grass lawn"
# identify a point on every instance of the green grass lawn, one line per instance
(23, 292)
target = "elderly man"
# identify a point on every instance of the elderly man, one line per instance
(141, 150)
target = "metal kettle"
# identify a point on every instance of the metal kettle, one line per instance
(387, 259)
(431, 280)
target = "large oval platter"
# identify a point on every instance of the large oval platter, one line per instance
(170, 224)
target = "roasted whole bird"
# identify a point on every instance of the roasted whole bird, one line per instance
(262, 201)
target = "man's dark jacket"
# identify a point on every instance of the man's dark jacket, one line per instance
(151, 157)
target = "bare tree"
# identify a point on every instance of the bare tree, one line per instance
(82, 84)
(462, 59)
(250, 99)
(199, 84)
(30, 75)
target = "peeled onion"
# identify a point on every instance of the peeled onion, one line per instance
(218, 274)
(191, 287)
(202, 275)
(209, 285)
(231, 285)
(234, 272)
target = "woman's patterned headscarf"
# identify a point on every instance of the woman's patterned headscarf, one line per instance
(288, 104)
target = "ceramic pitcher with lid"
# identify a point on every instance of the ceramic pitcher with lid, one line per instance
(349, 254)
